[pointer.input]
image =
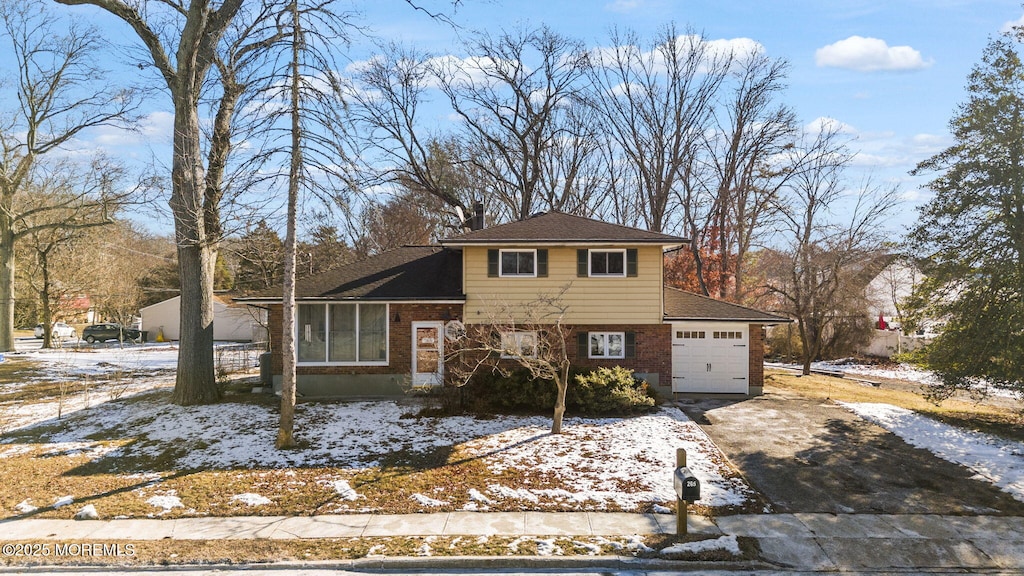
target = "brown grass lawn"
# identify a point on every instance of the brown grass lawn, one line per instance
(1002, 422)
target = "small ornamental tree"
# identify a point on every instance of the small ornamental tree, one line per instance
(531, 335)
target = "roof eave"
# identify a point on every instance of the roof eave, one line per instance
(549, 242)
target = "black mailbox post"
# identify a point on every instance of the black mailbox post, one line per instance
(687, 489)
(687, 485)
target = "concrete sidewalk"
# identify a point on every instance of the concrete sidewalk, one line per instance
(822, 542)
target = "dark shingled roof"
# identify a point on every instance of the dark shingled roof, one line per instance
(682, 305)
(558, 227)
(406, 273)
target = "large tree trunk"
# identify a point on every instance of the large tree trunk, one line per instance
(196, 382)
(6, 288)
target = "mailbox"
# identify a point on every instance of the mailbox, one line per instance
(687, 485)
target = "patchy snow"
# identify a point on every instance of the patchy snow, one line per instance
(548, 548)
(25, 507)
(995, 460)
(344, 491)
(250, 499)
(904, 372)
(627, 461)
(166, 501)
(427, 500)
(728, 543)
(597, 462)
(476, 496)
(88, 512)
(63, 501)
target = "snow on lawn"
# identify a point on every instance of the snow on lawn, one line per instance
(904, 372)
(995, 460)
(94, 375)
(104, 361)
(621, 461)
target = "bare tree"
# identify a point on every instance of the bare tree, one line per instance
(656, 105)
(510, 94)
(749, 158)
(531, 335)
(60, 93)
(181, 41)
(386, 95)
(814, 274)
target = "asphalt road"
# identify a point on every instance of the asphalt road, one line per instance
(808, 455)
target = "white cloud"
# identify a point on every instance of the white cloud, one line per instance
(823, 123)
(869, 55)
(1009, 25)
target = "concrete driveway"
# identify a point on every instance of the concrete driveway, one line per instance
(809, 455)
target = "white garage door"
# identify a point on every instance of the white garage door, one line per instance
(710, 357)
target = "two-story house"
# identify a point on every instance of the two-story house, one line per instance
(372, 327)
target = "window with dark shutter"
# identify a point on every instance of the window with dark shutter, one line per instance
(582, 263)
(582, 345)
(542, 263)
(631, 263)
(492, 263)
(630, 345)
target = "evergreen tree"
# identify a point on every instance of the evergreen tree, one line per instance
(971, 233)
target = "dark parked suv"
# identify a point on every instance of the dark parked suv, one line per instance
(104, 332)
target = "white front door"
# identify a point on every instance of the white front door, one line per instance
(427, 354)
(710, 357)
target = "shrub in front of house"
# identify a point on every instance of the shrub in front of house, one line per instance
(605, 391)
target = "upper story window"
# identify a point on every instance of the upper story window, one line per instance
(518, 263)
(608, 263)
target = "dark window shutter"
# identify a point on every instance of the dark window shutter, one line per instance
(631, 262)
(582, 266)
(542, 263)
(630, 344)
(582, 346)
(492, 262)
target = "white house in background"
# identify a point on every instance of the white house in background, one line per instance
(886, 294)
(231, 322)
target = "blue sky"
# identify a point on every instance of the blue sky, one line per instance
(892, 72)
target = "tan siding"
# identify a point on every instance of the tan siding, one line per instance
(590, 300)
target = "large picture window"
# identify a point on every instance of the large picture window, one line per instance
(343, 333)
(518, 263)
(608, 263)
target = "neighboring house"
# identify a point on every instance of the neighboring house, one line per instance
(231, 322)
(375, 326)
(885, 295)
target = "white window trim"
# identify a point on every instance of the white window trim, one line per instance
(518, 335)
(327, 340)
(590, 262)
(501, 271)
(604, 337)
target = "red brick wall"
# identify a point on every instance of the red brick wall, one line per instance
(653, 349)
(399, 341)
(757, 337)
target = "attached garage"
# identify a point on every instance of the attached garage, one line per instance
(710, 357)
(717, 347)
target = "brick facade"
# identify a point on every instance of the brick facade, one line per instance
(399, 338)
(653, 346)
(756, 355)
